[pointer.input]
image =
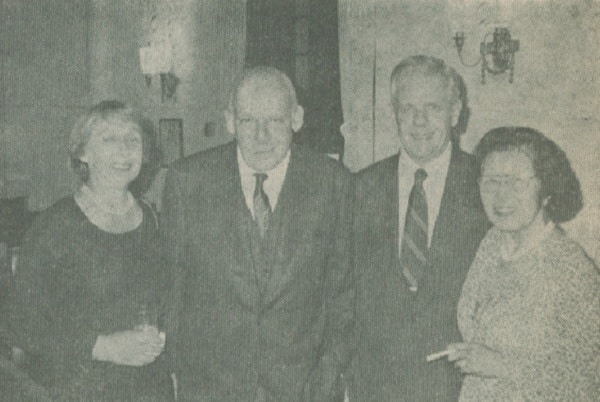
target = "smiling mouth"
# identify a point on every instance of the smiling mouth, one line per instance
(122, 166)
(264, 152)
(422, 137)
(503, 211)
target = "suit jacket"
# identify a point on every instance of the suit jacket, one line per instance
(396, 328)
(255, 319)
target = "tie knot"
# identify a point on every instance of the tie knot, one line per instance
(260, 179)
(420, 176)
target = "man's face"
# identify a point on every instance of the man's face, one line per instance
(263, 122)
(425, 114)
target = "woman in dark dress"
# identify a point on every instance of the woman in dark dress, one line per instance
(88, 282)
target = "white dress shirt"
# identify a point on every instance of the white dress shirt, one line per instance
(437, 170)
(272, 185)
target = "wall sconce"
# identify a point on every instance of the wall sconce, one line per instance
(501, 49)
(158, 60)
(168, 85)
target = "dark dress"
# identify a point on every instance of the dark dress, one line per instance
(75, 282)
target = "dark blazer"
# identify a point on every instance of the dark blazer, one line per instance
(396, 328)
(252, 319)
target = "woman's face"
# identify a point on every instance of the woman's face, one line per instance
(113, 154)
(510, 191)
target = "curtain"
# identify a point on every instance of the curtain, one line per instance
(300, 37)
(270, 34)
(357, 34)
(375, 35)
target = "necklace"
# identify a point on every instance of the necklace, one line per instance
(88, 193)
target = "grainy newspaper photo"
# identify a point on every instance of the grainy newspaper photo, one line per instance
(299, 200)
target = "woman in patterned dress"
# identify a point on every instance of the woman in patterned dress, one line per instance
(529, 311)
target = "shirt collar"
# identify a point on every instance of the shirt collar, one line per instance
(437, 167)
(272, 186)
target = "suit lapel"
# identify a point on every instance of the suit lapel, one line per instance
(390, 213)
(238, 226)
(451, 202)
(289, 223)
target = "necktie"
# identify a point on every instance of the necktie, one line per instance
(262, 207)
(413, 256)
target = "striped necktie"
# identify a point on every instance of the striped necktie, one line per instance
(262, 207)
(413, 256)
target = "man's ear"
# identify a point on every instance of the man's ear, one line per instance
(297, 118)
(230, 121)
(83, 156)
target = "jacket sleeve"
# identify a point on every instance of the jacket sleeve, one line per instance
(327, 382)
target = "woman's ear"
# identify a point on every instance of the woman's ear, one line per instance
(545, 201)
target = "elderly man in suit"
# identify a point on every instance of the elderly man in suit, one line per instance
(257, 232)
(418, 222)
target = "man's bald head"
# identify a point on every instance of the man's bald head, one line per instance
(264, 76)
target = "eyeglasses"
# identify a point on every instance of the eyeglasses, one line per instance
(491, 184)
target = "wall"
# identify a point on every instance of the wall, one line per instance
(208, 44)
(44, 83)
(555, 85)
(61, 56)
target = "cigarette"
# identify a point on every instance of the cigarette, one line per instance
(435, 356)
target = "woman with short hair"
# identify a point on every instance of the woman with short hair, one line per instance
(529, 311)
(89, 273)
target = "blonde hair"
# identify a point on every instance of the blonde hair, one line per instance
(110, 113)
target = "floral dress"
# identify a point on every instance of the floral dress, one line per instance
(541, 310)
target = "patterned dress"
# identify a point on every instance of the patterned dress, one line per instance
(75, 282)
(541, 310)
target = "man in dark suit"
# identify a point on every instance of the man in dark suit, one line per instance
(257, 232)
(418, 222)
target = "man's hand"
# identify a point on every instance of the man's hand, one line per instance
(130, 348)
(479, 360)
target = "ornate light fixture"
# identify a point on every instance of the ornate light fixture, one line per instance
(497, 56)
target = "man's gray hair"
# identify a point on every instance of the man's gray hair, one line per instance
(427, 65)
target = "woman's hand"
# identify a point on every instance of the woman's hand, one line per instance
(130, 348)
(478, 360)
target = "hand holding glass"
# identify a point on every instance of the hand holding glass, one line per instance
(136, 347)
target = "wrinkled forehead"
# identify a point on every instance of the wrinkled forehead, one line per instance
(419, 80)
(262, 89)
